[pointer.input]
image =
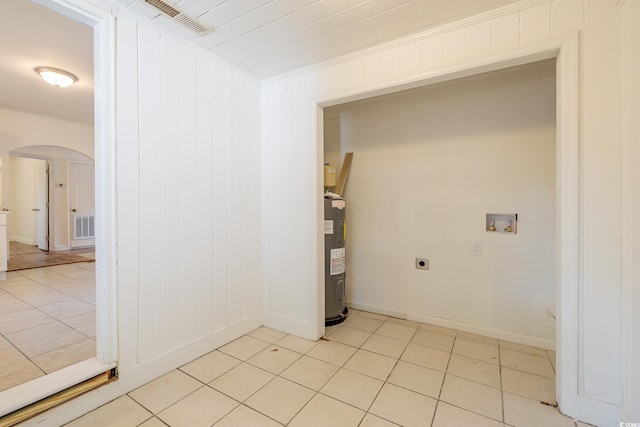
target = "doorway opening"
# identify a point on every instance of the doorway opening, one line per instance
(101, 24)
(566, 55)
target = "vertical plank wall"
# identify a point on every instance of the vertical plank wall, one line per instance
(289, 140)
(189, 210)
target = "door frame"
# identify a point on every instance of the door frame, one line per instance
(103, 24)
(47, 167)
(566, 50)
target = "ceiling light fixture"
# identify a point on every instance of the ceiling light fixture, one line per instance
(56, 77)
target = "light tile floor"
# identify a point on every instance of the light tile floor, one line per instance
(370, 371)
(47, 320)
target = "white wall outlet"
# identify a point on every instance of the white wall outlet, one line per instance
(422, 263)
(476, 249)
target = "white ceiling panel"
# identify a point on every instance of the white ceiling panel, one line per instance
(253, 21)
(302, 17)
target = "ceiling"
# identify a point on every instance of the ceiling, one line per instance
(32, 36)
(264, 37)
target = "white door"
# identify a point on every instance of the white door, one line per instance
(41, 210)
(82, 204)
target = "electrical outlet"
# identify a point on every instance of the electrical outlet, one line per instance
(476, 249)
(422, 263)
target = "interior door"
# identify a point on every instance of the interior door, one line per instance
(82, 204)
(41, 210)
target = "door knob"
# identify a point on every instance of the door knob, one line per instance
(73, 210)
(36, 210)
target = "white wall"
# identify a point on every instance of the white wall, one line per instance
(290, 151)
(428, 165)
(21, 222)
(188, 170)
(630, 88)
(20, 130)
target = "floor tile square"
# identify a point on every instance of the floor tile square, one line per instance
(484, 352)
(426, 356)
(310, 372)
(280, 399)
(472, 396)
(18, 373)
(529, 385)
(371, 420)
(417, 378)
(524, 412)
(241, 381)
(244, 347)
(403, 322)
(201, 408)
(9, 356)
(324, 411)
(350, 336)
(274, 359)
(66, 356)
(246, 417)
(363, 323)
(403, 407)
(438, 329)
(332, 352)
(477, 338)
(123, 411)
(267, 334)
(210, 366)
(474, 370)
(353, 388)
(371, 364)
(163, 392)
(523, 348)
(297, 344)
(384, 345)
(399, 332)
(452, 416)
(539, 365)
(434, 340)
(152, 422)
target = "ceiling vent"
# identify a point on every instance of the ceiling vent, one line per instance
(177, 15)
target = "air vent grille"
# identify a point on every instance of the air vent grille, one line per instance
(181, 18)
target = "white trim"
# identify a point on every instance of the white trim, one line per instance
(40, 388)
(466, 327)
(290, 326)
(103, 23)
(568, 193)
(441, 29)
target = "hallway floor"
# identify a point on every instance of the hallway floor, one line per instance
(47, 320)
(370, 371)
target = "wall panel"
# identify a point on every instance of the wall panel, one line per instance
(196, 246)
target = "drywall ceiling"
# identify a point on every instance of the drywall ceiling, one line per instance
(31, 36)
(263, 37)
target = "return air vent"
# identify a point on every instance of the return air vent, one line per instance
(181, 18)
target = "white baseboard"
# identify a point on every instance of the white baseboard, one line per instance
(139, 375)
(23, 240)
(377, 310)
(290, 326)
(466, 327)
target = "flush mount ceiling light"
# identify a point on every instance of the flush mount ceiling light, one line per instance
(56, 77)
